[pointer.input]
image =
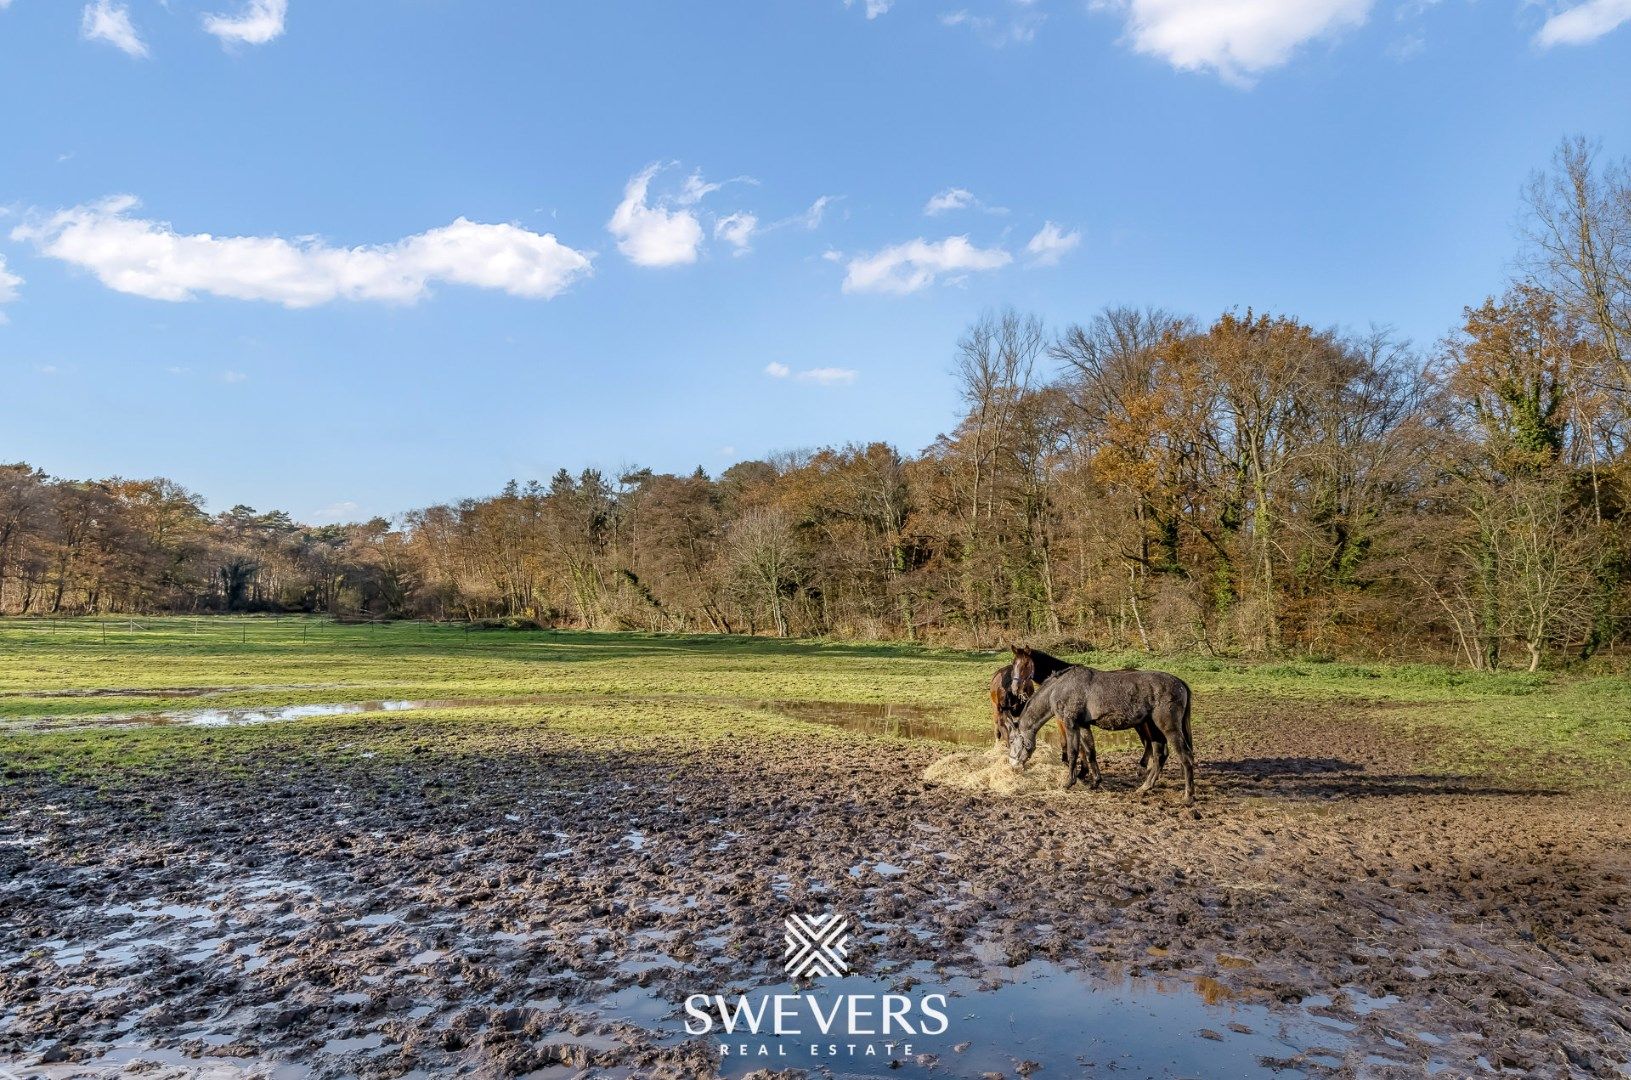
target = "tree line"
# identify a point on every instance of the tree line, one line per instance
(1249, 484)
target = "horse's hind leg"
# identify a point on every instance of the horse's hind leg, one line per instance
(1094, 777)
(1156, 752)
(1154, 744)
(1186, 755)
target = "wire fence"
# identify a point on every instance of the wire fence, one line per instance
(124, 631)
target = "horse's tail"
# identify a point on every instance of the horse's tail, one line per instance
(1189, 742)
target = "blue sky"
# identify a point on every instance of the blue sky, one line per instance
(348, 259)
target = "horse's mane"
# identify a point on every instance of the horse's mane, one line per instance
(1047, 665)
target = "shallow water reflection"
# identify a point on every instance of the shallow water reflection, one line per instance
(1044, 1018)
(930, 722)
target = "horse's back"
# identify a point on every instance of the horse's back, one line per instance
(1156, 694)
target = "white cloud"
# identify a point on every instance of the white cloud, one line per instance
(695, 189)
(946, 201)
(655, 235)
(737, 230)
(1238, 39)
(1016, 28)
(106, 21)
(811, 218)
(828, 376)
(957, 198)
(149, 258)
(1050, 244)
(8, 285)
(234, 377)
(1584, 23)
(874, 8)
(908, 267)
(336, 513)
(825, 376)
(259, 22)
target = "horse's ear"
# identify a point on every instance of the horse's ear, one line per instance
(1020, 650)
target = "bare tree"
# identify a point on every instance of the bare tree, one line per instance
(1579, 230)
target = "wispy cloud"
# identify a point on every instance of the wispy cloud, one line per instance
(1050, 244)
(8, 287)
(828, 376)
(906, 268)
(1237, 39)
(812, 217)
(107, 21)
(1584, 23)
(956, 198)
(874, 8)
(149, 258)
(336, 513)
(737, 230)
(259, 22)
(824, 376)
(1014, 27)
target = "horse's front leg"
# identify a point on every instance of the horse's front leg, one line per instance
(1064, 741)
(1072, 749)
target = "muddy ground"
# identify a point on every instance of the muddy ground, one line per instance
(539, 906)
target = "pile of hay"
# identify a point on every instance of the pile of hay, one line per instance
(988, 770)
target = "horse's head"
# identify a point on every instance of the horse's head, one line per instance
(1022, 675)
(1021, 744)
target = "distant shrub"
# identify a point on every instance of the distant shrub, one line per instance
(508, 622)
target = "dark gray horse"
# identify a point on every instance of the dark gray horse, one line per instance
(1084, 698)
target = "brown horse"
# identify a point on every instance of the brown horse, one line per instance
(1013, 684)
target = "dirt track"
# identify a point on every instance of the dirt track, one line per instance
(442, 912)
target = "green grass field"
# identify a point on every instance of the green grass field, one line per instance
(696, 687)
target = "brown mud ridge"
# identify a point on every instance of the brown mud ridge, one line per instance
(1328, 908)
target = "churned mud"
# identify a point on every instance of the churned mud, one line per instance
(542, 903)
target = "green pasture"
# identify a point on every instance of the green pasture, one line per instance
(608, 688)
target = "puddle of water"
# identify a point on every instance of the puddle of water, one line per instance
(933, 723)
(1063, 1021)
(247, 716)
(371, 1041)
